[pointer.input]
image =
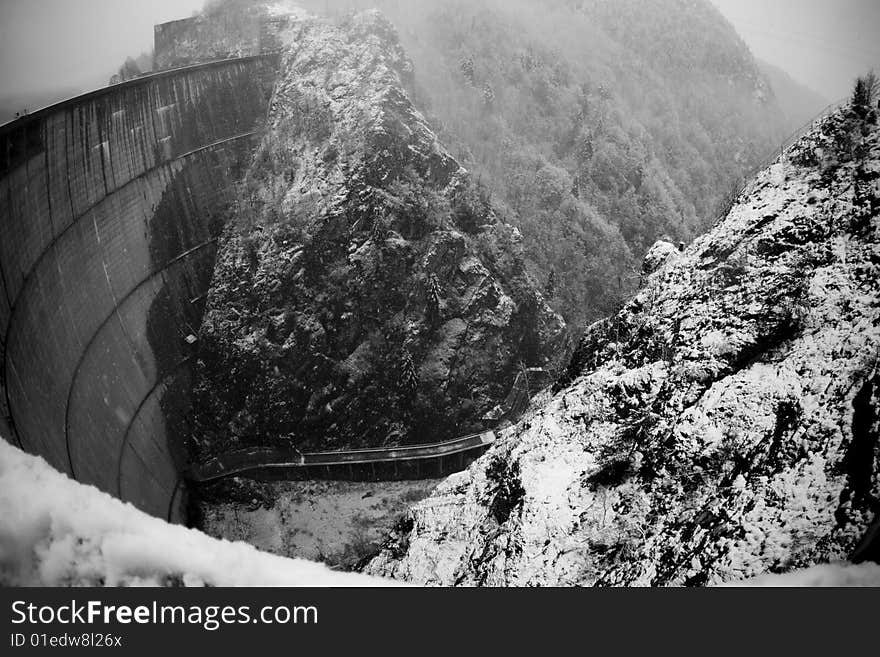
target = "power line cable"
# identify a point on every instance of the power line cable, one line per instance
(805, 41)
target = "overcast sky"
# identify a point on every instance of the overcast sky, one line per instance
(60, 44)
(64, 44)
(822, 43)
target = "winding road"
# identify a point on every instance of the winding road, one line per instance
(376, 463)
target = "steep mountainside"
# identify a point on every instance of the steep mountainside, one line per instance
(365, 291)
(722, 425)
(602, 125)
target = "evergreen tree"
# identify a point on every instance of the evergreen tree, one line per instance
(409, 377)
(129, 70)
(864, 93)
(434, 298)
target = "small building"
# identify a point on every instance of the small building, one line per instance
(235, 31)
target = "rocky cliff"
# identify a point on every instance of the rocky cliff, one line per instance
(723, 425)
(366, 291)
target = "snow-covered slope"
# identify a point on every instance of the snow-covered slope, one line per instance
(722, 426)
(57, 532)
(867, 574)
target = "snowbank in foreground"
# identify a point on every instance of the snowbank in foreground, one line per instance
(828, 575)
(56, 532)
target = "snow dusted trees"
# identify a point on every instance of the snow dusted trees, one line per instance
(865, 93)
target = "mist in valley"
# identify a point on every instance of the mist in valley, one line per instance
(601, 127)
(552, 247)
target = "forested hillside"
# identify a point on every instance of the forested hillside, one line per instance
(601, 126)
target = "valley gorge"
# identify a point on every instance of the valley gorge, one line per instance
(328, 252)
(366, 293)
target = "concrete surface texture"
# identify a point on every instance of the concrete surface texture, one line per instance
(241, 32)
(109, 207)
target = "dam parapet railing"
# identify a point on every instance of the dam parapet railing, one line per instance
(25, 120)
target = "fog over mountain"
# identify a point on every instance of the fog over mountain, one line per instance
(602, 126)
(798, 103)
(55, 49)
(823, 44)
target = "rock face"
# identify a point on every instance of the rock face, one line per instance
(657, 256)
(723, 425)
(366, 292)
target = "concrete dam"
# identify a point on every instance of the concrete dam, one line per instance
(110, 207)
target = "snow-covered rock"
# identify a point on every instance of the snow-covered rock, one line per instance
(57, 532)
(657, 256)
(722, 426)
(366, 290)
(834, 575)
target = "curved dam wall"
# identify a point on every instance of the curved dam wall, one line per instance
(110, 205)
